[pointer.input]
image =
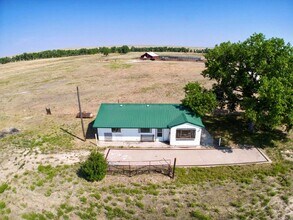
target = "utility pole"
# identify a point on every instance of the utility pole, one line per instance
(80, 114)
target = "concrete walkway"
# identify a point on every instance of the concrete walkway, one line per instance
(188, 157)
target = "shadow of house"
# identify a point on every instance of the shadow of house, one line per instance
(90, 132)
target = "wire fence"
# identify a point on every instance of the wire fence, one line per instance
(131, 168)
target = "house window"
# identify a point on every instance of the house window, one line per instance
(116, 130)
(159, 132)
(144, 130)
(185, 134)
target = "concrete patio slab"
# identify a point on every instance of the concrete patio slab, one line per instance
(188, 157)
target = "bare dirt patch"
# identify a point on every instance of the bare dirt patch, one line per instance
(16, 161)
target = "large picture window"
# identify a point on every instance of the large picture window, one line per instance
(116, 130)
(185, 134)
(144, 130)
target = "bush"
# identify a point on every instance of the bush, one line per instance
(94, 168)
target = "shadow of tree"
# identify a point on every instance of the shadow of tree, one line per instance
(81, 174)
(234, 128)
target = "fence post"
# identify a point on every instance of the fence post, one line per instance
(149, 166)
(129, 170)
(174, 166)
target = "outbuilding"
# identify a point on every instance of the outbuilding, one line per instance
(170, 123)
(150, 56)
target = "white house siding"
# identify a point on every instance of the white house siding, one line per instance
(166, 134)
(128, 134)
(194, 142)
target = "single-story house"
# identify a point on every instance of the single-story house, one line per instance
(170, 123)
(150, 56)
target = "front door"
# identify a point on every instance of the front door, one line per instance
(159, 134)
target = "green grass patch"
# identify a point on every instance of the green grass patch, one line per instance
(49, 141)
(151, 189)
(96, 195)
(4, 82)
(236, 204)
(139, 204)
(49, 215)
(83, 200)
(50, 172)
(48, 193)
(86, 215)
(2, 205)
(114, 65)
(199, 215)
(40, 183)
(116, 213)
(3, 187)
(66, 208)
(285, 198)
(33, 216)
(227, 173)
(128, 191)
(168, 212)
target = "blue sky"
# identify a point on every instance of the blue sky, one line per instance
(35, 25)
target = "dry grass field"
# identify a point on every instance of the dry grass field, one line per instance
(38, 178)
(26, 88)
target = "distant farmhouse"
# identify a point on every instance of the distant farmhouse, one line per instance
(150, 56)
(154, 56)
(170, 123)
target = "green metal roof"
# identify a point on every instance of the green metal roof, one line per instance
(144, 116)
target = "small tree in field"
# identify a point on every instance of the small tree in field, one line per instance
(94, 168)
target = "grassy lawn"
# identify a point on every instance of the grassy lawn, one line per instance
(210, 193)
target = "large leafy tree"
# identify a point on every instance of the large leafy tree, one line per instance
(199, 100)
(256, 76)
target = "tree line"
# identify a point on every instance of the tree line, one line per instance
(102, 50)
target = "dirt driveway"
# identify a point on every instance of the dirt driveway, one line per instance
(189, 157)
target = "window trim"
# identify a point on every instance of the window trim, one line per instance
(193, 134)
(150, 131)
(159, 132)
(118, 130)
